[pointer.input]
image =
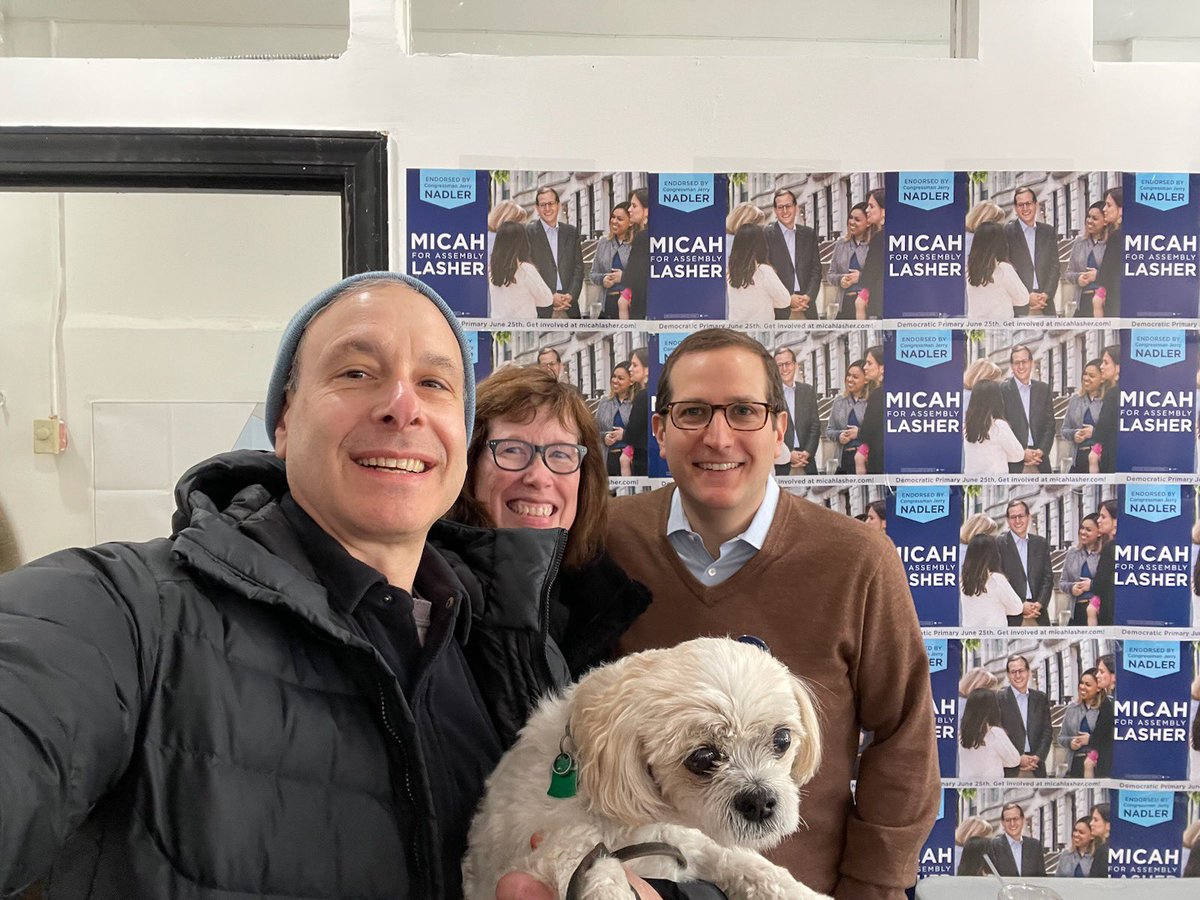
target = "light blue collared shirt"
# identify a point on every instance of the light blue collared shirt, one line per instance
(1030, 232)
(1023, 706)
(1023, 552)
(789, 238)
(1016, 851)
(1024, 391)
(552, 237)
(733, 554)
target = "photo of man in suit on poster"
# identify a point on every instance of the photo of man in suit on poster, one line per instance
(1029, 413)
(1025, 559)
(557, 255)
(1033, 252)
(1014, 854)
(793, 253)
(1025, 718)
(803, 432)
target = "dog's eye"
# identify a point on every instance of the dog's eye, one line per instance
(781, 740)
(703, 761)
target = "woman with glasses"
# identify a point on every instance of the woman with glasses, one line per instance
(535, 461)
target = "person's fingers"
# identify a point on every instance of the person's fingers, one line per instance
(523, 886)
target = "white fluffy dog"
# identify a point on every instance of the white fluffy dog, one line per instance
(703, 746)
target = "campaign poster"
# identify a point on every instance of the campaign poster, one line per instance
(1160, 223)
(1151, 710)
(923, 401)
(660, 347)
(687, 246)
(937, 853)
(1146, 840)
(1158, 401)
(1152, 577)
(480, 343)
(447, 245)
(925, 244)
(924, 523)
(945, 662)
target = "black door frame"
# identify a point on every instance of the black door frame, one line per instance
(352, 164)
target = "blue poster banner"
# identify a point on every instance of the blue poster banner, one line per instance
(1151, 710)
(925, 235)
(1154, 555)
(1160, 221)
(480, 343)
(937, 853)
(1158, 401)
(659, 347)
(945, 664)
(687, 246)
(447, 236)
(923, 523)
(1146, 840)
(923, 403)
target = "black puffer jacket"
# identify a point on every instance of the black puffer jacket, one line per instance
(192, 716)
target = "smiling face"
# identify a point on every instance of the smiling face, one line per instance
(1104, 677)
(1026, 205)
(620, 382)
(547, 207)
(719, 470)
(619, 223)
(856, 379)
(1081, 836)
(873, 369)
(1088, 689)
(1099, 826)
(785, 210)
(1108, 525)
(787, 366)
(874, 212)
(1093, 223)
(637, 212)
(373, 430)
(639, 373)
(1112, 212)
(1022, 365)
(1088, 534)
(1013, 821)
(1091, 379)
(1018, 675)
(534, 497)
(1018, 520)
(856, 224)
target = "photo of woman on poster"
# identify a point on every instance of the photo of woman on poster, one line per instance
(986, 598)
(611, 259)
(983, 211)
(504, 211)
(614, 410)
(989, 444)
(636, 277)
(1079, 567)
(1104, 581)
(1087, 253)
(849, 256)
(745, 213)
(1083, 412)
(516, 291)
(869, 302)
(868, 458)
(994, 289)
(637, 429)
(1103, 456)
(1087, 730)
(846, 416)
(1194, 736)
(753, 290)
(984, 747)
(1106, 300)
(1078, 861)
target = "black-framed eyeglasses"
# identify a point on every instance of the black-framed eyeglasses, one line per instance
(515, 455)
(744, 415)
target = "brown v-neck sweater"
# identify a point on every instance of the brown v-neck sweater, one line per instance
(830, 597)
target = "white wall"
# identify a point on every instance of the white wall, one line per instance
(1033, 99)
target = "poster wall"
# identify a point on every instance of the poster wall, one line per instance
(1029, 341)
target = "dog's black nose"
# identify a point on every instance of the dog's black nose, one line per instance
(755, 805)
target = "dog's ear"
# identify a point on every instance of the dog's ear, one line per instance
(614, 775)
(808, 750)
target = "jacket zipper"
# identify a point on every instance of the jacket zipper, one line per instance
(560, 549)
(387, 724)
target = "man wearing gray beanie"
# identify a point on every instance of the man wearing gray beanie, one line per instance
(300, 692)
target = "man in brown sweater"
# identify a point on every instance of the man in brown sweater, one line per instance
(724, 551)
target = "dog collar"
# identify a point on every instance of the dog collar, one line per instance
(564, 770)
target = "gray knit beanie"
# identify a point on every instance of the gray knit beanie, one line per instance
(277, 389)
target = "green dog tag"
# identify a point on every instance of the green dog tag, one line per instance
(562, 777)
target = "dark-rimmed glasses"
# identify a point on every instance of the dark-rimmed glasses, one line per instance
(744, 415)
(515, 455)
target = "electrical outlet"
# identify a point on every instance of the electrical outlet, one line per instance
(49, 435)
